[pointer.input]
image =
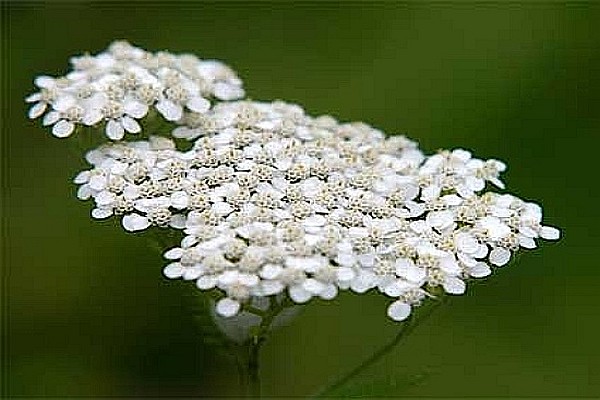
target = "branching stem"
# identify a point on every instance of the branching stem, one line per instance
(407, 328)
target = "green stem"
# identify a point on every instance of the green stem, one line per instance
(407, 328)
(252, 347)
(254, 370)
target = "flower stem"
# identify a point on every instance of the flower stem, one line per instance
(406, 329)
(253, 345)
(254, 370)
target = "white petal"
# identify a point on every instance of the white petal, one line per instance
(298, 294)
(396, 288)
(528, 231)
(501, 212)
(63, 128)
(480, 270)
(467, 243)
(224, 91)
(64, 102)
(454, 285)
(188, 241)
(37, 110)
(130, 124)
(198, 104)
(549, 233)
(92, 117)
(82, 177)
(118, 167)
(249, 280)
(84, 192)
(173, 254)
(269, 288)
(228, 277)
(475, 184)
(227, 307)
(179, 200)
(481, 252)
(189, 274)
(466, 259)
(270, 271)
(173, 271)
(363, 282)
(44, 81)
(464, 191)
(131, 192)
(101, 213)
(105, 198)
(313, 286)
(183, 132)
(206, 282)
(114, 130)
(169, 110)
(367, 260)
(315, 221)
(51, 118)
(33, 98)
(431, 192)
(406, 269)
(449, 265)
(222, 208)
(135, 222)
(345, 274)
(440, 219)
(329, 292)
(499, 256)
(452, 200)
(461, 154)
(418, 226)
(398, 310)
(527, 242)
(497, 182)
(97, 182)
(135, 108)
(346, 259)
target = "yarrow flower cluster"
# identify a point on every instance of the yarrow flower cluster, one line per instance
(272, 201)
(120, 86)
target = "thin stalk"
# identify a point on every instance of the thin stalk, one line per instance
(254, 370)
(253, 345)
(407, 328)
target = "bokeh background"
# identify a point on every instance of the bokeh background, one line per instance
(89, 313)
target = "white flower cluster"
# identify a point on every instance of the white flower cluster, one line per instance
(121, 85)
(271, 200)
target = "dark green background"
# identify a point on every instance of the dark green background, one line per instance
(89, 312)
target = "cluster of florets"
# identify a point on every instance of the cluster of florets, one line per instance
(120, 86)
(271, 200)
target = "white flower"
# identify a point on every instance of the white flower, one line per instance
(120, 86)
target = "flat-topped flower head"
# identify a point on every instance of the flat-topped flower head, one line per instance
(273, 201)
(119, 86)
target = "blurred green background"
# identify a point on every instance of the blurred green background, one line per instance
(91, 315)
